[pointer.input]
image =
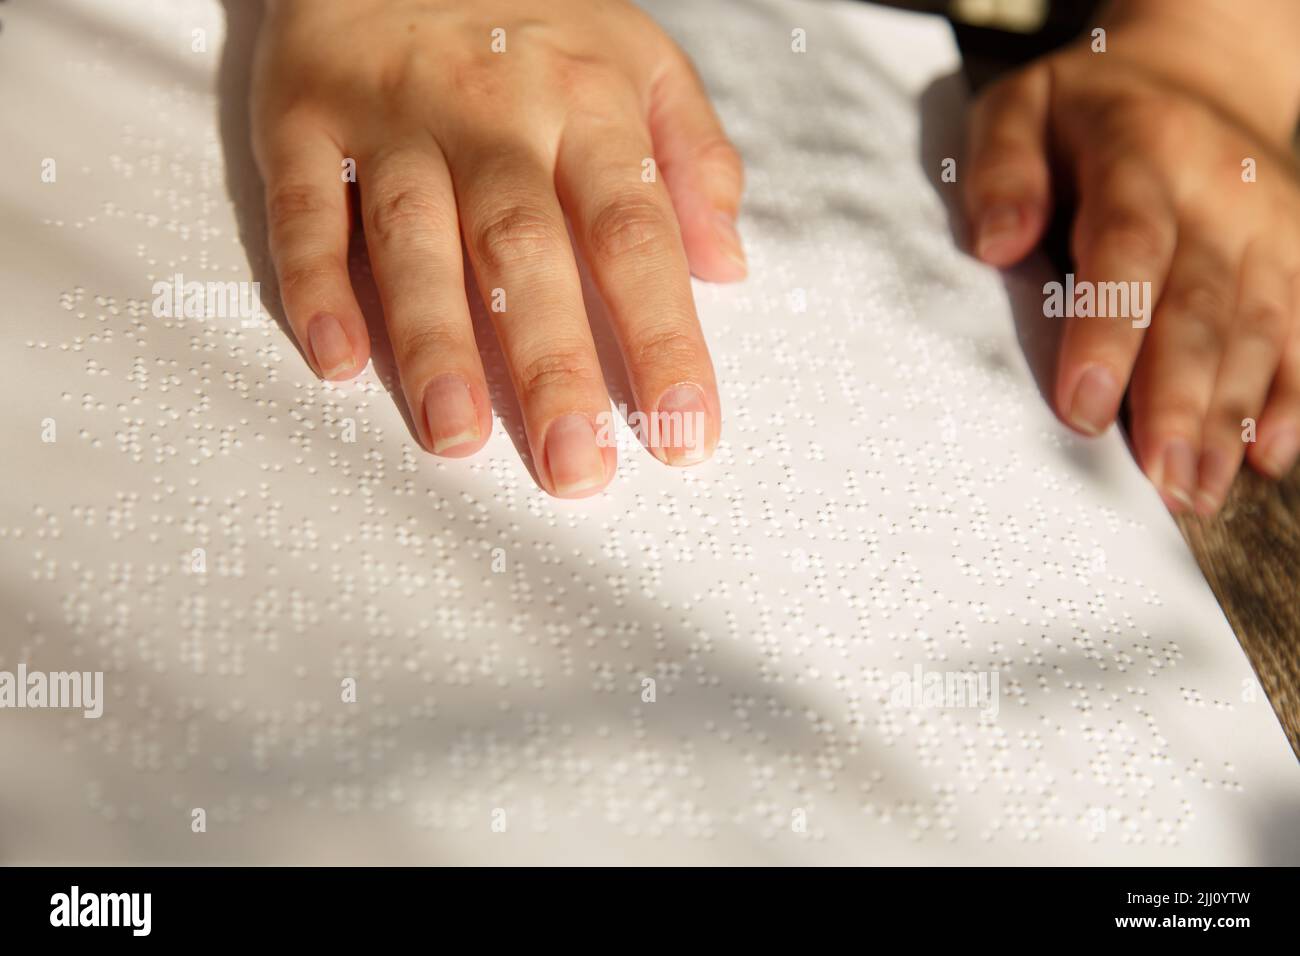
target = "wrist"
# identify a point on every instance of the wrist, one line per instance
(1242, 57)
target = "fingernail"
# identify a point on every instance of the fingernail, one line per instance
(998, 228)
(1216, 474)
(573, 457)
(451, 416)
(1096, 401)
(1279, 454)
(330, 346)
(729, 239)
(681, 426)
(1178, 479)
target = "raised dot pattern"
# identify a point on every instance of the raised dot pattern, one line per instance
(231, 541)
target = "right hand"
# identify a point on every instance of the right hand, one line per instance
(452, 139)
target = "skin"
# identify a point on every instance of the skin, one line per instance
(1148, 139)
(455, 143)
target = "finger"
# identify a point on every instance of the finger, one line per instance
(308, 232)
(627, 231)
(1250, 362)
(1175, 374)
(519, 246)
(1007, 182)
(702, 170)
(413, 237)
(1123, 239)
(1274, 453)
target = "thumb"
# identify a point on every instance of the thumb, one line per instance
(702, 170)
(1007, 191)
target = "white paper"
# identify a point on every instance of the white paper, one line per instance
(891, 494)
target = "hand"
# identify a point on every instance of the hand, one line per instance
(1152, 138)
(492, 120)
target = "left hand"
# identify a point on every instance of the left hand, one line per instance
(1150, 137)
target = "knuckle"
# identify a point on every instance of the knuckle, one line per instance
(424, 340)
(576, 75)
(399, 77)
(514, 235)
(1164, 126)
(403, 213)
(477, 78)
(720, 154)
(1227, 415)
(1000, 165)
(1004, 172)
(300, 273)
(559, 367)
(1168, 411)
(670, 347)
(1133, 236)
(1199, 303)
(286, 204)
(629, 225)
(1268, 321)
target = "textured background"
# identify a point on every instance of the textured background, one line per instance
(891, 492)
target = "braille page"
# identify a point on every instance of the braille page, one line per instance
(903, 616)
